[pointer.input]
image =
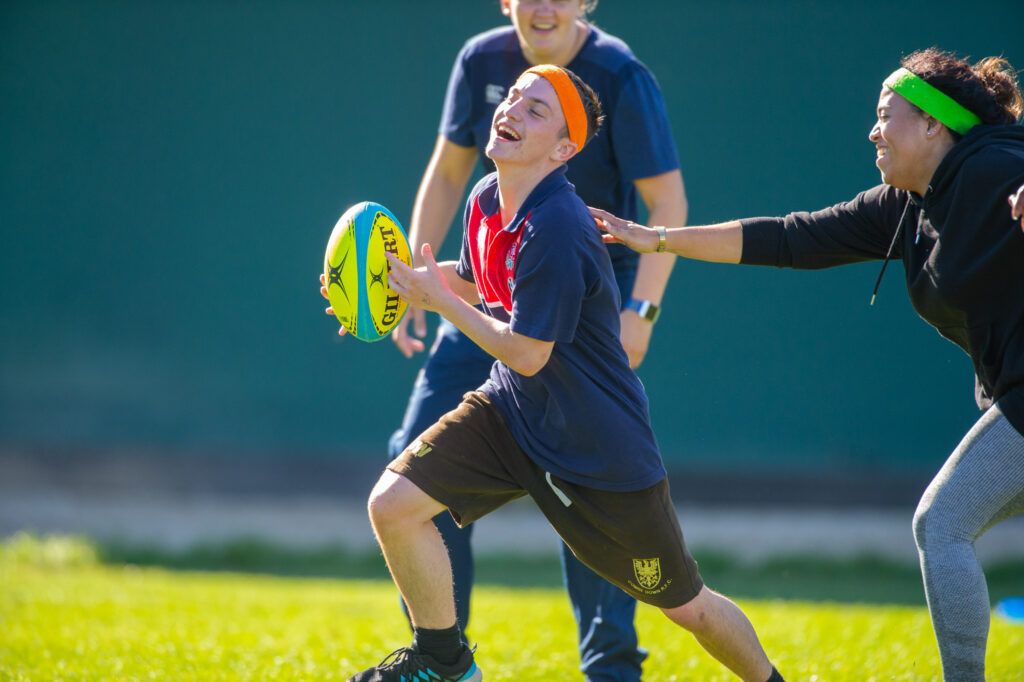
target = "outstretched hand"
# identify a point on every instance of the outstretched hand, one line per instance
(1017, 206)
(618, 231)
(329, 310)
(424, 287)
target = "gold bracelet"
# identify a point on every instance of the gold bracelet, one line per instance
(662, 238)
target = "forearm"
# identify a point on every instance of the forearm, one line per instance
(656, 268)
(720, 243)
(520, 353)
(438, 287)
(467, 291)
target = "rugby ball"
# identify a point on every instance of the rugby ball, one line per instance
(357, 271)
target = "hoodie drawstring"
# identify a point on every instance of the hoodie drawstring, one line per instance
(888, 254)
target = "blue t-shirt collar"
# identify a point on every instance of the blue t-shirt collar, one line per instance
(551, 183)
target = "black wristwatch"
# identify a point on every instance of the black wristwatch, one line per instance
(644, 309)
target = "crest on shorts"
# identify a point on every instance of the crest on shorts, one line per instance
(647, 572)
(419, 448)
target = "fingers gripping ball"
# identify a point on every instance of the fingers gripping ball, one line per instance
(357, 271)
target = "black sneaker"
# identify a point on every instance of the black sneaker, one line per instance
(408, 665)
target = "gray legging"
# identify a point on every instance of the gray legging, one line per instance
(981, 484)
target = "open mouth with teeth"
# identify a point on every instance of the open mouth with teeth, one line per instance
(503, 132)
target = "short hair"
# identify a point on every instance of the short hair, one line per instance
(989, 88)
(591, 105)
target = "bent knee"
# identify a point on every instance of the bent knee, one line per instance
(920, 524)
(936, 527)
(396, 501)
(387, 502)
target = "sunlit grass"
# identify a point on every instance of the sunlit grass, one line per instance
(63, 616)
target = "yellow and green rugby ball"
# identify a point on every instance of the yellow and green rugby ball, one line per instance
(357, 271)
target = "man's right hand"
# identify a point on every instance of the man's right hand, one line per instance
(409, 344)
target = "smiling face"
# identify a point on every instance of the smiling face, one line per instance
(547, 29)
(903, 142)
(528, 127)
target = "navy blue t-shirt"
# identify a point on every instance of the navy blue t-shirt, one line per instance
(584, 416)
(635, 141)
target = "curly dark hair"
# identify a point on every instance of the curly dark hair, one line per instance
(989, 88)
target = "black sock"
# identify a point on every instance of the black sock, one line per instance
(776, 677)
(444, 645)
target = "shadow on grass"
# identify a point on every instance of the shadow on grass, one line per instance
(861, 580)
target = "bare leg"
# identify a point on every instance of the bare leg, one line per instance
(401, 515)
(725, 633)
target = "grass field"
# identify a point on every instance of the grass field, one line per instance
(65, 615)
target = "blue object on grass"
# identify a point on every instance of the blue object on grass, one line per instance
(1012, 609)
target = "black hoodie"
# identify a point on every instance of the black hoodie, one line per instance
(962, 252)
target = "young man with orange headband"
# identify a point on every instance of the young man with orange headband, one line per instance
(632, 165)
(562, 418)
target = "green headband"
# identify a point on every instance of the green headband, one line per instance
(931, 100)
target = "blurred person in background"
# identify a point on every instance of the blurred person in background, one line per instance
(634, 155)
(950, 151)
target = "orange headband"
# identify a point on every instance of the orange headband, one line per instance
(569, 98)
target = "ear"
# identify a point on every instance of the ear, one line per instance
(505, 8)
(934, 127)
(564, 150)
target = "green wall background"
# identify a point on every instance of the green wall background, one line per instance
(170, 172)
